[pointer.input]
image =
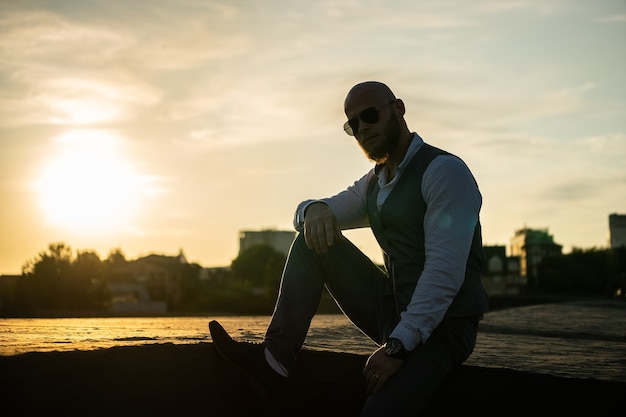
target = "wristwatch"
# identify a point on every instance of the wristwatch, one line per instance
(395, 348)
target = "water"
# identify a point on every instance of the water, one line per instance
(576, 339)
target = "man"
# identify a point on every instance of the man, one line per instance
(423, 206)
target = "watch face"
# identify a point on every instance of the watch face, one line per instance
(393, 347)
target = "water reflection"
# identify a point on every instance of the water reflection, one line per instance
(569, 339)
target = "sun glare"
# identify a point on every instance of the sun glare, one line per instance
(87, 185)
(79, 111)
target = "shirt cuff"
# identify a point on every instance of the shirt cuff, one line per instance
(410, 340)
(298, 217)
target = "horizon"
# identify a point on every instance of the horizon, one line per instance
(152, 126)
(182, 251)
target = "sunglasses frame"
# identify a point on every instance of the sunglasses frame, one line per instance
(347, 127)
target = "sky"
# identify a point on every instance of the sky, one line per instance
(155, 126)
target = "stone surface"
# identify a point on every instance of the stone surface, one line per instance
(186, 380)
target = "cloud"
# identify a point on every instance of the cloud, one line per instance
(64, 72)
(568, 190)
(79, 98)
(225, 106)
(86, 68)
(615, 18)
(39, 37)
(515, 6)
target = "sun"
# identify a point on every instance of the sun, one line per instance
(87, 185)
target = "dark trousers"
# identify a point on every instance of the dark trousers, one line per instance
(361, 290)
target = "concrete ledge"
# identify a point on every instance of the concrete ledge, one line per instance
(181, 380)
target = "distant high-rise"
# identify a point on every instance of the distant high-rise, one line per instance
(532, 246)
(617, 230)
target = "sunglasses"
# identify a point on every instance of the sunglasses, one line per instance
(369, 115)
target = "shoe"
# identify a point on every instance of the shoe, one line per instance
(249, 358)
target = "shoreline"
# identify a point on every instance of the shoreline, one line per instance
(168, 379)
(327, 306)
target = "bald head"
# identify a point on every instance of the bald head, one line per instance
(373, 89)
(376, 120)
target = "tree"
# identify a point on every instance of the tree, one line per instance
(591, 272)
(86, 286)
(55, 280)
(272, 274)
(116, 258)
(45, 276)
(261, 266)
(115, 266)
(191, 289)
(616, 266)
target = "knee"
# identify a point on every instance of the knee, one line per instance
(298, 243)
(339, 247)
(299, 249)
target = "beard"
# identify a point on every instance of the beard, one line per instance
(379, 152)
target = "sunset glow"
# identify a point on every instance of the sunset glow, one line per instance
(157, 125)
(87, 185)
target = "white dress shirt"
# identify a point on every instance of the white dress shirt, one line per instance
(453, 203)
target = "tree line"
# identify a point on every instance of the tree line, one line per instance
(57, 280)
(592, 272)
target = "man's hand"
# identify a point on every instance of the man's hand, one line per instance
(320, 228)
(379, 368)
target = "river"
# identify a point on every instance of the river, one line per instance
(584, 339)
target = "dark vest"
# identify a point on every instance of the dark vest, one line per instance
(399, 229)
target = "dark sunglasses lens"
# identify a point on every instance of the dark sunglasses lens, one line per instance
(369, 115)
(354, 124)
(347, 128)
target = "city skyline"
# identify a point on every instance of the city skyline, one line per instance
(181, 250)
(152, 126)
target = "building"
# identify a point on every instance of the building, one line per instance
(617, 230)
(280, 240)
(532, 246)
(502, 273)
(147, 284)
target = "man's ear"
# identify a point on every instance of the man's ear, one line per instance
(399, 105)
